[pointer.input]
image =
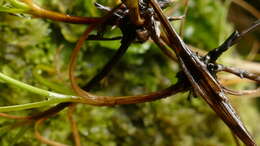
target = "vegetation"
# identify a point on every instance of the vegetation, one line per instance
(37, 52)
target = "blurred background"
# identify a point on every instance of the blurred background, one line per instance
(37, 51)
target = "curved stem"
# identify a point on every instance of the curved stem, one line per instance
(41, 138)
(92, 99)
(73, 59)
(113, 100)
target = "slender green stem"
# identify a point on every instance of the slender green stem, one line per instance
(27, 87)
(32, 89)
(11, 10)
(53, 98)
(34, 105)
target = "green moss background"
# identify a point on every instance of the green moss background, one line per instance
(32, 50)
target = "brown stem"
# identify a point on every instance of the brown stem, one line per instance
(13, 117)
(113, 100)
(45, 114)
(41, 138)
(240, 73)
(73, 125)
(241, 92)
